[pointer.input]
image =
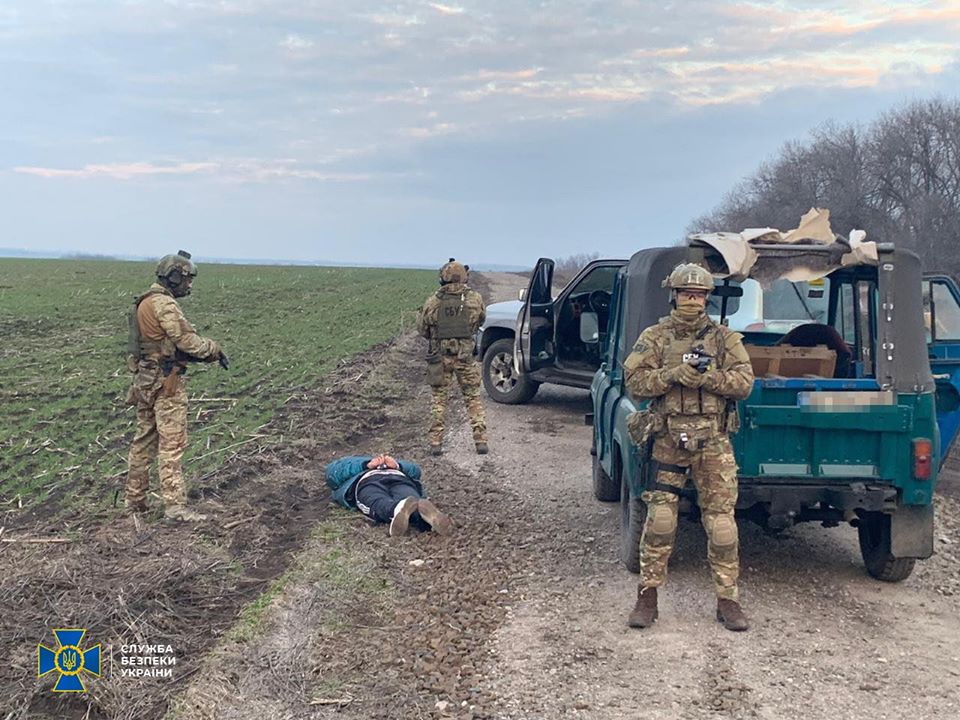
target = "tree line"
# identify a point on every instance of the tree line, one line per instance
(897, 178)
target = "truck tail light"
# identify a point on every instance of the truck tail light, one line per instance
(922, 458)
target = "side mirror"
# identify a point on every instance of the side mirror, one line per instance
(522, 295)
(589, 327)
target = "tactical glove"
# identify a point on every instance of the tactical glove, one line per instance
(688, 376)
(712, 380)
(215, 351)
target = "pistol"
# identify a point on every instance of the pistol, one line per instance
(699, 359)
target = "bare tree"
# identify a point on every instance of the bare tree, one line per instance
(566, 267)
(898, 179)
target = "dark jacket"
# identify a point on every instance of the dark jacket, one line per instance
(343, 473)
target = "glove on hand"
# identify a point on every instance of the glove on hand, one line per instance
(215, 351)
(711, 380)
(688, 376)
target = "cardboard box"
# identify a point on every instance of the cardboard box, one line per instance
(788, 361)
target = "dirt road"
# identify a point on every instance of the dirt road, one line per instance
(826, 638)
(521, 614)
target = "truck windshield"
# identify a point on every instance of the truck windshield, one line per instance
(777, 309)
(797, 303)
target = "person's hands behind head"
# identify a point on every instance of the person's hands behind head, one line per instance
(383, 461)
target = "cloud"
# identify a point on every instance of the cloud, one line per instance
(500, 75)
(232, 79)
(430, 131)
(393, 19)
(119, 171)
(446, 9)
(296, 42)
(235, 171)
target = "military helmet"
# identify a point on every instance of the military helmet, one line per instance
(453, 272)
(689, 276)
(172, 265)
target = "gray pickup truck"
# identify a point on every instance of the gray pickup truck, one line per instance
(544, 338)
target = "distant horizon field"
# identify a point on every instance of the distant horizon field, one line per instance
(12, 253)
(64, 429)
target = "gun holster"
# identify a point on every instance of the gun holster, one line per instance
(651, 471)
(648, 466)
(434, 369)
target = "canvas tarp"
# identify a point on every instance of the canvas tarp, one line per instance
(740, 257)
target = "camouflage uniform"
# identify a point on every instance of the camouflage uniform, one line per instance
(691, 427)
(161, 401)
(451, 350)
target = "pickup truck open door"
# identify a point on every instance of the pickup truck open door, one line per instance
(534, 345)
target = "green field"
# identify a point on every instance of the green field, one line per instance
(64, 427)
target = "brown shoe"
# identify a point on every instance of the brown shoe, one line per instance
(436, 449)
(438, 521)
(731, 615)
(645, 611)
(482, 448)
(401, 516)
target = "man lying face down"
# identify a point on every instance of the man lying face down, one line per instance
(386, 490)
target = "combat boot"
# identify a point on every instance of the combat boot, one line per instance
(731, 615)
(438, 520)
(137, 506)
(436, 449)
(645, 611)
(401, 516)
(482, 448)
(180, 513)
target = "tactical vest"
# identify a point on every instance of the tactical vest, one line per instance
(453, 319)
(139, 347)
(680, 400)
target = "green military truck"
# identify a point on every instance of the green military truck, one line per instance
(842, 424)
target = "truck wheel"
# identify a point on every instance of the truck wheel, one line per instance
(605, 489)
(633, 515)
(874, 533)
(499, 380)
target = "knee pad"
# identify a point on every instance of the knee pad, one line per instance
(663, 519)
(723, 531)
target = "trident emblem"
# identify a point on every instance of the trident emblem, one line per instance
(69, 660)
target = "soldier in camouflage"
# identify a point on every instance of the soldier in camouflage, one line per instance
(449, 319)
(160, 339)
(692, 370)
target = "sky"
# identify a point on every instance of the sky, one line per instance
(495, 131)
